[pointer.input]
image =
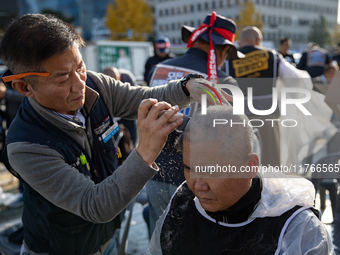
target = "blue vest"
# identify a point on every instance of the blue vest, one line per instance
(185, 231)
(48, 228)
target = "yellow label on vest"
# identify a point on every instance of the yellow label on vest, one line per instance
(253, 62)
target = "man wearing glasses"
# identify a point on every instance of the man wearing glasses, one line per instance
(61, 142)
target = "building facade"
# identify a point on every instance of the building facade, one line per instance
(291, 18)
(85, 13)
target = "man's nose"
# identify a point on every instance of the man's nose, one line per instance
(78, 82)
(201, 184)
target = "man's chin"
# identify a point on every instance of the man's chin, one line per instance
(208, 205)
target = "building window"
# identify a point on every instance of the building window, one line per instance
(172, 11)
(192, 8)
(264, 2)
(185, 9)
(221, 4)
(257, 1)
(263, 18)
(199, 7)
(166, 27)
(213, 5)
(280, 3)
(161, 13)
(179, 25)
(229, 3)
(161, 28)
(173, 27)
(206, 5)
(280, 20)
(288, 21)
(166, 12)
(178, 10)
(192, 23)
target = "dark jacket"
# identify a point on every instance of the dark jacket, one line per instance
(154, 60)
(66, 233)
(48, 170)
(314, 61)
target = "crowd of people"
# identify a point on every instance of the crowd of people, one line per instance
(63, 143)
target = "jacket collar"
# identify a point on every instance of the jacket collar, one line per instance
(91, 97)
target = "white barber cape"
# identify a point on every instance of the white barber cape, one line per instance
(303, 233)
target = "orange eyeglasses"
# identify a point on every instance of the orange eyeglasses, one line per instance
(8, 77)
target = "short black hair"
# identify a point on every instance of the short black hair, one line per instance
(285, 39)
(33, 38)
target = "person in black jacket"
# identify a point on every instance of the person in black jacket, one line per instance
(65, 125)
(285, 44)
(162, 52)
(314, 60)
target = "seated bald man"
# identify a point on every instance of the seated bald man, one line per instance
(223, 209)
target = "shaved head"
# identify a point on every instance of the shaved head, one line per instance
(250, 36)
(112, 72)
(236, 141)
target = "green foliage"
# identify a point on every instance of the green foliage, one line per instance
(123, 15)
(249, 16)
(319, 32)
